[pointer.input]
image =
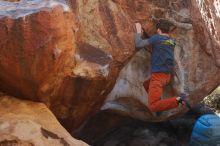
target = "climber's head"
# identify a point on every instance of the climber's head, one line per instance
(163, 26)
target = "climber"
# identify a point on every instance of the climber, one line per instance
(161, 67)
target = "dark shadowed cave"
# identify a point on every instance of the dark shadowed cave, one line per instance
(108, 128)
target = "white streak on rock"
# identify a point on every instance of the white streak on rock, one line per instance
(208, 16)
(104, 70)
(57, 52)
(77, 57)
(217, 7)
(114, 105)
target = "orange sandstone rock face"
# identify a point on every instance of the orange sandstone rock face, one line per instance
(37, 47)
(26, 123)
(68, 59)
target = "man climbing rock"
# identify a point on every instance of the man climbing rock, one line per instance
(161, 66)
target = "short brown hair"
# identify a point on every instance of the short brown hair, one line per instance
(164, 25)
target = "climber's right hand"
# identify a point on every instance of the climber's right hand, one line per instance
(138, 27)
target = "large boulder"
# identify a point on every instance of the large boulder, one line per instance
(37, 46)
(68, 54)
(26, 123)
(196, 72)
(68, 59)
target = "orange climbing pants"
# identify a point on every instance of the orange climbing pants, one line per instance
(154, 86)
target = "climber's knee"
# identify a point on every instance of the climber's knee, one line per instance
(153, 108)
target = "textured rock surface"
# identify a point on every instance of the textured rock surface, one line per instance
(196, 72)
(67, 60)
(104, 45)
(206, 20)
(24, 123)
(37, 47)
(70, 59)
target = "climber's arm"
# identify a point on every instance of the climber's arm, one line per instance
(139, 42)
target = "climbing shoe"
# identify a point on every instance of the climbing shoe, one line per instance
(183, 100)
